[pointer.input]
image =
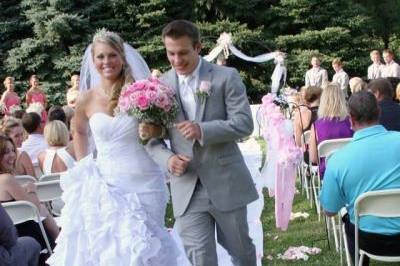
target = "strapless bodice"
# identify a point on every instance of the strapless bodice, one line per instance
(122, 160)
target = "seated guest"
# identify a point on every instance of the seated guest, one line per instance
(357, 84)
(375, 70)
(391, 69)
(370, 162)
(11, 190)
(57, 158)
(35, 143)
(14, 250)
(57, 113)
(69, 113)
(340, 77)
(397, 97)
(306, 114)
(13, 128)
(332, 123)
(390, 111)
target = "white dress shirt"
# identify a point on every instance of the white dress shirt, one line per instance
(375, 71)
(342, 79)
(391, 70)
(187, 89)
(316, 76)
(33, 145)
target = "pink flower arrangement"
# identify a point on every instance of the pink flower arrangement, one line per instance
(149, 101)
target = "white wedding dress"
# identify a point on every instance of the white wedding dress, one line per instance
(114, 205)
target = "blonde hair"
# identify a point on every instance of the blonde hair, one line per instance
(374, 52)
(7, 78)
(114, 41)
(56, 133)
(337, 61)
(10, 123)
(332, 103)
(356, 84)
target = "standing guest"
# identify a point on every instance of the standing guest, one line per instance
(368, 163)
(357, 84)
(69, 113)
(57, 158)
(316, 76)
(73, 92)
(14, 250)
(340, 77)
(390, 111)
(9, 98)
(35, 143)
(205, 163)
(332, 123)
(36, 95)
(375, 69)
(12, 127)
(391, 69)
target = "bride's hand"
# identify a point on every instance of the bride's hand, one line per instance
(148, 131)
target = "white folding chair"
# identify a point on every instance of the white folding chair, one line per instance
(305, 167)
(381, 203)
(50, 177)
(48, 190)
(22, 211)
(325, 149)
(38, 171)
(23, 179)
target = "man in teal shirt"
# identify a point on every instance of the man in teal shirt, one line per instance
(371, 161)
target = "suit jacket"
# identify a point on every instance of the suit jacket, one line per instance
(223, 117)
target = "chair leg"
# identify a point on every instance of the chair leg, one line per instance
(361, 259)
(315, 192)
(335, 235)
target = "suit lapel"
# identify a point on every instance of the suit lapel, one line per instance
(204, 75)
(172, 80)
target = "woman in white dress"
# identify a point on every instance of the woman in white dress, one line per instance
(114, 205)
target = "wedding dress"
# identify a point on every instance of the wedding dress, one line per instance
(114, 205)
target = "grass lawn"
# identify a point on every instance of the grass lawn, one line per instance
(308, 232)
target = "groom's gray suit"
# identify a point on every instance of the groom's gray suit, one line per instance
(217, 185)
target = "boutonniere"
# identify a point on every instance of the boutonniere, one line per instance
(204, 89)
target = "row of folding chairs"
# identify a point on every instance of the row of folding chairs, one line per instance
(47, 189)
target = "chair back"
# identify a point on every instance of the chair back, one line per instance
(23, 179)
(48, 190)
(381, 203)
(305, 138)
(327, 147)
(50, 177)
(38, 171)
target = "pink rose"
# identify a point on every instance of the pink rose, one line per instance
(142, 102)
(151, 95)
(205, 87)
(162, 101)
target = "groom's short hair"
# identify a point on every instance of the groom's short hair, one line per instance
(180, 28)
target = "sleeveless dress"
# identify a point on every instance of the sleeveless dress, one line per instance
(39, 97)
(11, 101)
(62, 153)
(114, 205)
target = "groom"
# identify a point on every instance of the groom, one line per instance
(210, 183)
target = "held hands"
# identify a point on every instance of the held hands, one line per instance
(148, 131)
(177, 164)
(189, 130)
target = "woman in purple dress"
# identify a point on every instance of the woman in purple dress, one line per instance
(332, 123)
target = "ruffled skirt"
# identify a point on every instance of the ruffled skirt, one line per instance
(102, 225)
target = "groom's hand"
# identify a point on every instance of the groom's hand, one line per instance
(177, 164)
(189, 130)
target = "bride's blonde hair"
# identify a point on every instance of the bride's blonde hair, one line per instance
(115, 41)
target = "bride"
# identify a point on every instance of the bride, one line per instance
(114, 205)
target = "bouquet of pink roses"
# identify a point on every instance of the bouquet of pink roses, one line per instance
(149, 101)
